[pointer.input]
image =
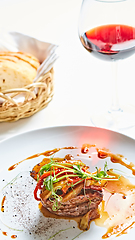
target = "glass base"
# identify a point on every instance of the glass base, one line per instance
(115, 120)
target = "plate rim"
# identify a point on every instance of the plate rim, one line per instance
(63, 126)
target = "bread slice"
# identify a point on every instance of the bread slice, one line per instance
(17, 69)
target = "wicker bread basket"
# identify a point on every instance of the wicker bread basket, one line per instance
(36, 96)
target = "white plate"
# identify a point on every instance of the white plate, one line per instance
(22, 146)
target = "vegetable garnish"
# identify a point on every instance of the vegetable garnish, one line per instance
(58, 177)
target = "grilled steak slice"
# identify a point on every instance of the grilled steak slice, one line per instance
(77, 206)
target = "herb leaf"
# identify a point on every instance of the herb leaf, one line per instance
(48, 183)
(102, 174)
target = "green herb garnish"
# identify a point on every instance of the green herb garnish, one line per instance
(103, 174)
(69, 171)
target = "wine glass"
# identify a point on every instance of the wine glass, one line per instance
(107, 31)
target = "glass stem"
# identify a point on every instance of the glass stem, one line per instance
(115, 100)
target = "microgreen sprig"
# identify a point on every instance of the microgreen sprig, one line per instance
(73, 171)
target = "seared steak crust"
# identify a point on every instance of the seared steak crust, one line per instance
(77, 206)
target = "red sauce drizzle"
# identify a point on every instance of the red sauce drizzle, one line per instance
(85, 147)
(2, 203)
(14, 236)
(5, 233)
(46, 154)
(116, 158)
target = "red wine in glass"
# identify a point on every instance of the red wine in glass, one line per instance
(110, 42)
(107, 31)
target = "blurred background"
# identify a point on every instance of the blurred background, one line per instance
(82, 82)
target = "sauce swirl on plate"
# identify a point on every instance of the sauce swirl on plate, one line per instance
(117, 209)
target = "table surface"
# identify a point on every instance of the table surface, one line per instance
(82, 82)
